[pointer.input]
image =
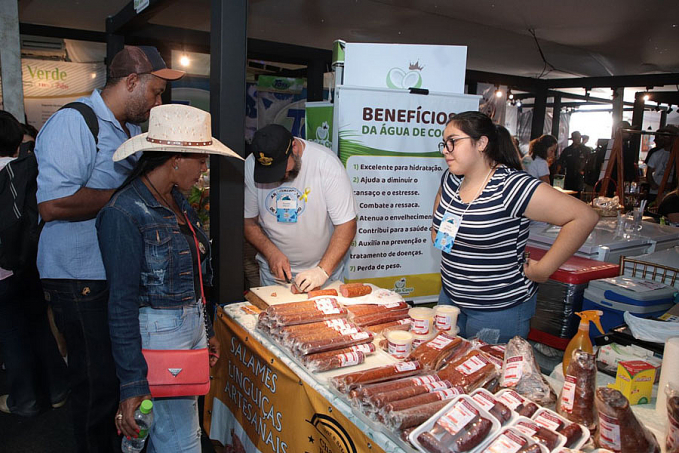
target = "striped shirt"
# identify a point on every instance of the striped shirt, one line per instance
(485, 267)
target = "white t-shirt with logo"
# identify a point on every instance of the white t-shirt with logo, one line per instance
(324, 198)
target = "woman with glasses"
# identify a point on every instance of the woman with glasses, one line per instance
(481, 217)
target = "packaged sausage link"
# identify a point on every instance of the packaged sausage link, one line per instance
(327, 344)
(521, 372)
(511, 440)
(413, 416)
(545, 436)
(471, 371)
(462, 426)
(496, 408)
(347, 382)
(316, 310)
(341, 360)
(576, 400)
(381, 399)
(516, 402)
(400, 324)
(421, 400)
(672, 438)
(434, 353)
(576, 435)
(619, 430)
(363, 392)
(371, 319)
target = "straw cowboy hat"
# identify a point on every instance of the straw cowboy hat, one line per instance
(176, 128)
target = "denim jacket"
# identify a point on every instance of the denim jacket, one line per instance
(148, 263)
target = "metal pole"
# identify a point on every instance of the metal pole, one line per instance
(10, 59)
(228, 57)
(538, 124)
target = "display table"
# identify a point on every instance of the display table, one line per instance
(263, 401)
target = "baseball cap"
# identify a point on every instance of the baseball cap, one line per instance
(141, 60)
(271, 147)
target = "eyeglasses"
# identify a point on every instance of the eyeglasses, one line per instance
(449, 144)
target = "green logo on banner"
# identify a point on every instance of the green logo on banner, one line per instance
(397, 78)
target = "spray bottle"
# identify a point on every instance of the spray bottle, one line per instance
(581, 339)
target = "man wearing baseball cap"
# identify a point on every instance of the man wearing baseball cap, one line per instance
(77, 176)
(300, 212)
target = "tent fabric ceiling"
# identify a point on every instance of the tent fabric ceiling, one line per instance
(579, 38)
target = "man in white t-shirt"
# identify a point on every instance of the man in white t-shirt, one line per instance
(300, 212)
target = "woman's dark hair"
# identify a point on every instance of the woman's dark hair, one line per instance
(30, 130)
(11, 134)
(500, 148)
(539, 146)
(147, 162)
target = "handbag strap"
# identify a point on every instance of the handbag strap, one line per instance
(200, 274)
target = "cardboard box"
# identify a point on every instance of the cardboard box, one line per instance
(672, 314)
(634, 379)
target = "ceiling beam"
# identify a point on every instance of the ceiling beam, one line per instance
(61, 33)
(647, 80)
(511, 81)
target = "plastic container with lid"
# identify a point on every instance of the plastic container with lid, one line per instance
(399, 343)
(445, 317)
(423, 320)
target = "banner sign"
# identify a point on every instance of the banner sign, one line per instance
(388, 141)
(47, 78)
(318, 123)
(401, 66)
(257, 404)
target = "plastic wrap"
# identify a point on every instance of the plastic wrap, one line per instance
(366, 349)
(496, 408)
(414, 416)
(364, 392)
(347, 382)
(341, 360)
(401, 324)
(329, 343)
(382, 317)
(289, 332)
(381, 399)
(511, 440)
(436, 352)
(422, 400)
(576, 401)
(576, 435)
(463, 426)
(369, 309)
(316, 310)
(517, 403)
(619, 430)
(545, 436)
(471, 371)
(521, 372)
(672, 437)
(555, 306)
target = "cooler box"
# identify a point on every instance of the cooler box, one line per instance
(554, 322)
(614, 296)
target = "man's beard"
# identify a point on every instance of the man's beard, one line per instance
(292, 174)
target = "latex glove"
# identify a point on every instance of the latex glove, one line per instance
(310, 279)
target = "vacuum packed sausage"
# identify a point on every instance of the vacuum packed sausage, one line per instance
(434, 353)
(346, 382)
(420, 400)
(576, 401)
(365, 392)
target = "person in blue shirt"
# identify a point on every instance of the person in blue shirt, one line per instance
(77, 176)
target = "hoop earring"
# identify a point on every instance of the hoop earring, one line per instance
(176, 167)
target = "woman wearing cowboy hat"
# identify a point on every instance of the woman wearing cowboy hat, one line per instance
(151, 244)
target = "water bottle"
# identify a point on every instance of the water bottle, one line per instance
(144, 418)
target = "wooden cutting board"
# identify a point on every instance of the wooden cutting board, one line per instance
(264, 296)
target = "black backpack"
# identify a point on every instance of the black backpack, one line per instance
(19, 226)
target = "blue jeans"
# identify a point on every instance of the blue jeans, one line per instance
(36, 373)
(81, 313)
(175, 420)
(508, 322)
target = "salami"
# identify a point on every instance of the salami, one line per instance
(381, 399)
(470, 371)
(341, 360)
(576, 401)
(365, 392)
(401, 324)
(460, 429)
(433, 354)
(371, 319)
(369, 309)
(672, 441)
(547, 437)
(421, 400)
(295, 290)
(336, 342)
(521, 372)
(352, 290)
(347, 382)
(366, 349)
(321, 292)
(414, 416)
(619, 430)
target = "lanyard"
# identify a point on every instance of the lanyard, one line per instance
(475, 196)
(200, 271)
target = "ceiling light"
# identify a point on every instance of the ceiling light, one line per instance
(184, 61)
(518, 102)
(510, 95)
(498, 93)
(646, 97)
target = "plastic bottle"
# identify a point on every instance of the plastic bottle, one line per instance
(581, 339)
(144, 418)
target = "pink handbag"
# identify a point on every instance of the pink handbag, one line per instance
(180, 372)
